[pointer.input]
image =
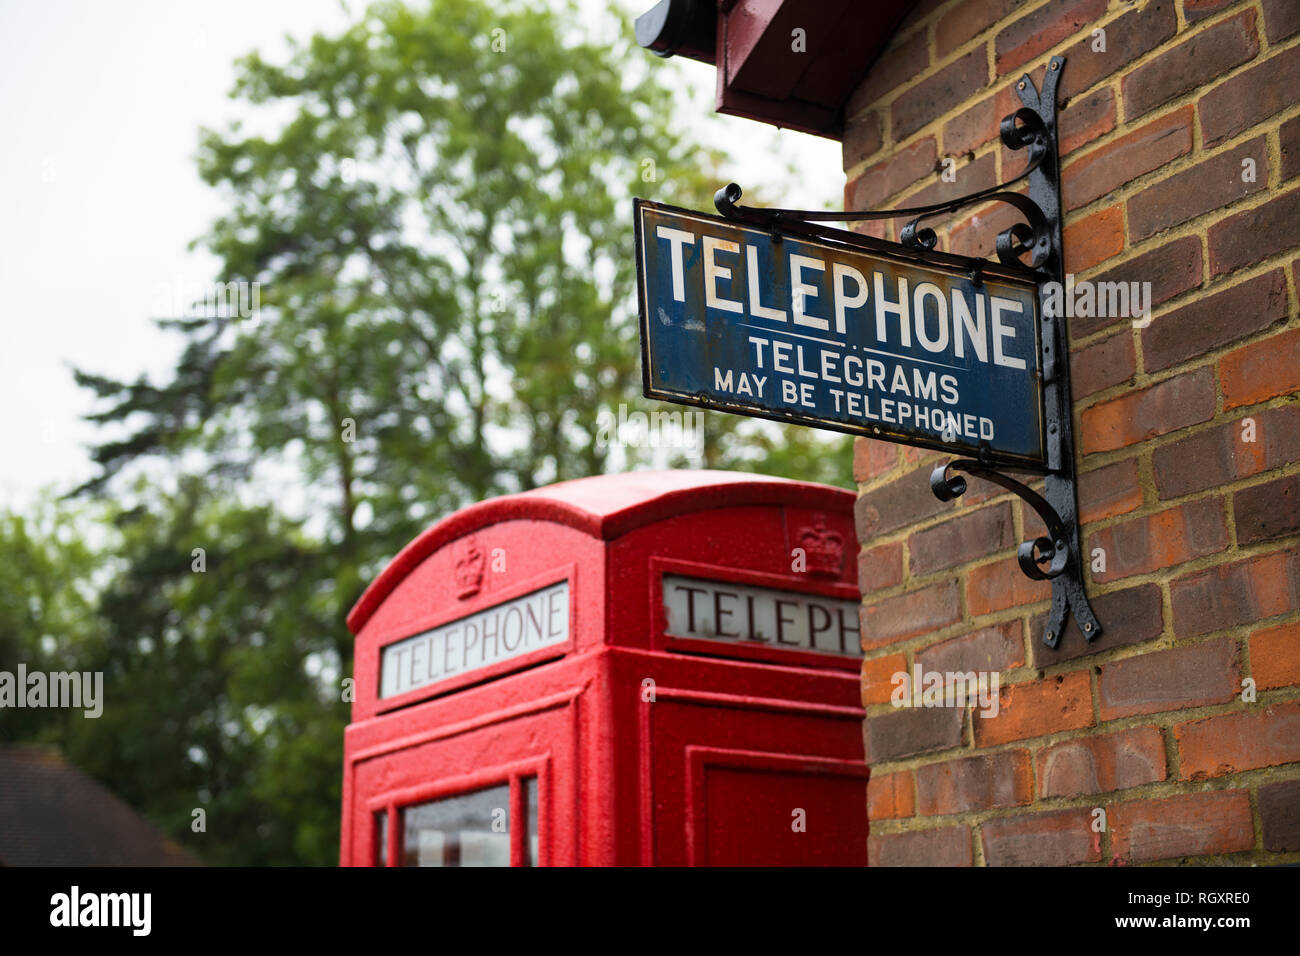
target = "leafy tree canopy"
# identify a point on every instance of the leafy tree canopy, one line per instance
(435, 208)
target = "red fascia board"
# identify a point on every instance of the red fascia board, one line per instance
(788, 114)
(762, 77)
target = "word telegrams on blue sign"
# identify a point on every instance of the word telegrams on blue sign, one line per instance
(847, 335)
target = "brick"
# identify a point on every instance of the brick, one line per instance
(1192, 63)
(982, 491)
(1037, 32)
(1254, 235)
(1246, 740)
(960, 539)
(983, 782)
(1094, 239)
(991, 649)
(1128, 617)
(977, 235)
(1059, 838)
(967, 178)
(945, 846)
(878, 678)
(1085, 119)
(910, 731)
(878, 228)
(1128, 38)
(863, 137)
(903, 61)
(1233, 595)
(1281, 19)
(890, 796)
(1161, 540)
(1248, 98)
(1172, 268)
(872, 458)
(1197, 824)
(1184, 677)
(1030, 521)
(1267, 512)
(1008, 98)
(1036, 709)
(902, 169)
(1216, 456)
(1262, 370)
(971, 128)
(1214, 321)
(935, 96)
(1289, 138)
(968, 20)
(1275, 656)
(1103, 365)
(898, 618)
(1102, 764)
(1279, 813)
(1175, 403)
(1109, 491)
(1209, 185)
(1123, 160)
(913, 456)
(902, 502)
(1196, 10)
(1000, 585)
(880, 567)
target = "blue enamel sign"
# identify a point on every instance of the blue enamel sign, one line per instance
(850, 334)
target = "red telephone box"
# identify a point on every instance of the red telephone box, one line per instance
(655, 668)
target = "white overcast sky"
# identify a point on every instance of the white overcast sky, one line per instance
(99, 194)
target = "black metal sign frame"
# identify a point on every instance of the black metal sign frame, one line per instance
(979, 272)
(1057, 556)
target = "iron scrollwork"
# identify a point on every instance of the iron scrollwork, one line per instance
(1023, 128)
(1055, 557)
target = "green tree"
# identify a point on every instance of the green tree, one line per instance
(435, 207)
(48, 617)
(222, 679)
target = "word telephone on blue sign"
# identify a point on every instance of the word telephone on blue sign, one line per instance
(839, 335)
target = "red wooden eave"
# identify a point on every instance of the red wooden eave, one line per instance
(762, 76)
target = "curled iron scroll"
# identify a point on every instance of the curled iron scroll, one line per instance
(1023, 128)
(1032, 555)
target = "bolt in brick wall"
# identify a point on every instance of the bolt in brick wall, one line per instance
(1175, 736)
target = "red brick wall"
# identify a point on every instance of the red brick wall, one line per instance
(1188, 435)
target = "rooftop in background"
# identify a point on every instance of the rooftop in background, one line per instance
(51, 814)
(791, 63)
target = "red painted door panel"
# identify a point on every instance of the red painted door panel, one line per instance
(755, 817)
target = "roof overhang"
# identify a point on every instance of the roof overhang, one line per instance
(766, 69)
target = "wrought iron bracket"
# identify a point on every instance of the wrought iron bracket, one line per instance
(1023, 128)
(1056, 557)
(1052, 558)
(1059, 485)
